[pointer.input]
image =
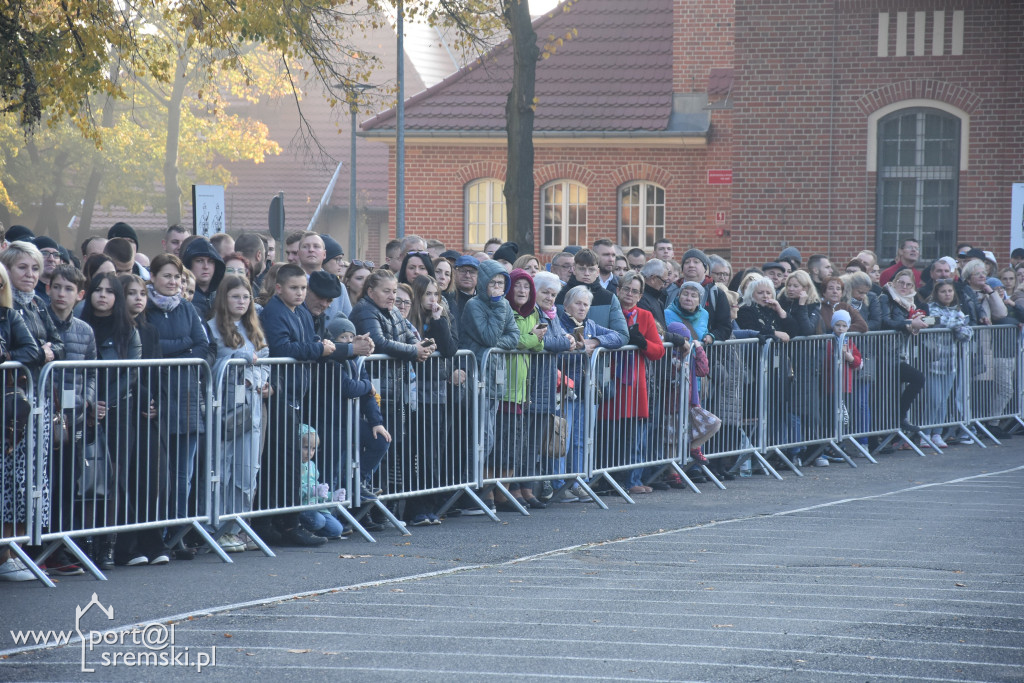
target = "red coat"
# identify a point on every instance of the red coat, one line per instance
(630, 383)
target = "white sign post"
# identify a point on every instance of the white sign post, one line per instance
(1017, 217)
(208, 210)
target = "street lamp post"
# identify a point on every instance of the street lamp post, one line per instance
(357, 90)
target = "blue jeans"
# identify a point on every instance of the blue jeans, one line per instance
(576, 460)
(321, 523)
(937, 388)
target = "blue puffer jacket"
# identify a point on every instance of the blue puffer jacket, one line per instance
(182, 335)
(487, 324)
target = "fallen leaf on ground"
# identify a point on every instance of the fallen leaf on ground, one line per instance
(299, 652)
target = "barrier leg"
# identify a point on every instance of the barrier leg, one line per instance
(511, 499)
(590, 492)
(30, 565)
(910, 442)
(358, 527)
(208, 539)
(971, 435)
(767, 468)
(863, 451)
(618, 489)
(682, 473)
(842, 454)
(711, 475)
(80, 555)
(982, 427)
(397, 523)
(787, 461)
(247, 529)
(476, 501)
(928, 440)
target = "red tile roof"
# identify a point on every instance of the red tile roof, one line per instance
(615, 75)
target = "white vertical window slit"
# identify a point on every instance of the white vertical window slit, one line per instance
(938, 33)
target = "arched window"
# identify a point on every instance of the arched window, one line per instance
(563, 214)
(918, 180)
(485, 211)
(641, 214)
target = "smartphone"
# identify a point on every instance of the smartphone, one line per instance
(428, 342)
(578, 333)
(929, 319)
(542, 324)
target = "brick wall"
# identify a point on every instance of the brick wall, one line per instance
(800, 171)
(435, 176)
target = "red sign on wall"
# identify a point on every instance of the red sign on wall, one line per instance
(722, 176)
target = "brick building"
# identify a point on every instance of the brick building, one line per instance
(741, 126)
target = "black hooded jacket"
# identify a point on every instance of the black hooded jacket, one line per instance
(203, 301)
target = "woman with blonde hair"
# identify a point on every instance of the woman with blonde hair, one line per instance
(16, 344)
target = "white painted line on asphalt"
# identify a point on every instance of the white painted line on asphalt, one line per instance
(730, 632)
(184, 616)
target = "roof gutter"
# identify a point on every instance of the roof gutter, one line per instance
(495, 134)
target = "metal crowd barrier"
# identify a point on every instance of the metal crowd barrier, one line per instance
(176, 451)
(430, 410)
(24, 484)
(641, 422)
(993, 367)
(737, 392)
(282, 430)
(138, 467)
(513, 429)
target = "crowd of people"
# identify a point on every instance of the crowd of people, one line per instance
(528, 328)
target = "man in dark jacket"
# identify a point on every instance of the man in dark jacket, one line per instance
(466, 271)
(605, 309)
(654, 300)
(202, 258)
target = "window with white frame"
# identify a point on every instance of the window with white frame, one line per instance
(641, 214)
(918, 180)
(563, 214)
(485, 211)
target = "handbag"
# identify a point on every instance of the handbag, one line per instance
(555, 437)
(238, 415)
(703, 425)
(93, 480)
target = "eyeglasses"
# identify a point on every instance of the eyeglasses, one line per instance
(632, 291)
(51, 253)
(403, 303)
(234, 271)
(904, 283)
(369, 265)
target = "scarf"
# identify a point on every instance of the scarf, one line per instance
(905, 302)
(164, 303)
(23, 299)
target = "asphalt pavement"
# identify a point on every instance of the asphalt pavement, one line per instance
(910, 569)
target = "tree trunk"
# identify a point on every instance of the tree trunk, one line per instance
(519, 110)
(47, 221)
(172, 192)
(92, 186)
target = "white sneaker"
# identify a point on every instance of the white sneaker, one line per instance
(15, 570)
(821, 461)
(231, 543)
(938, 441)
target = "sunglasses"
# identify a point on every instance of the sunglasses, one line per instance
(369, 265)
